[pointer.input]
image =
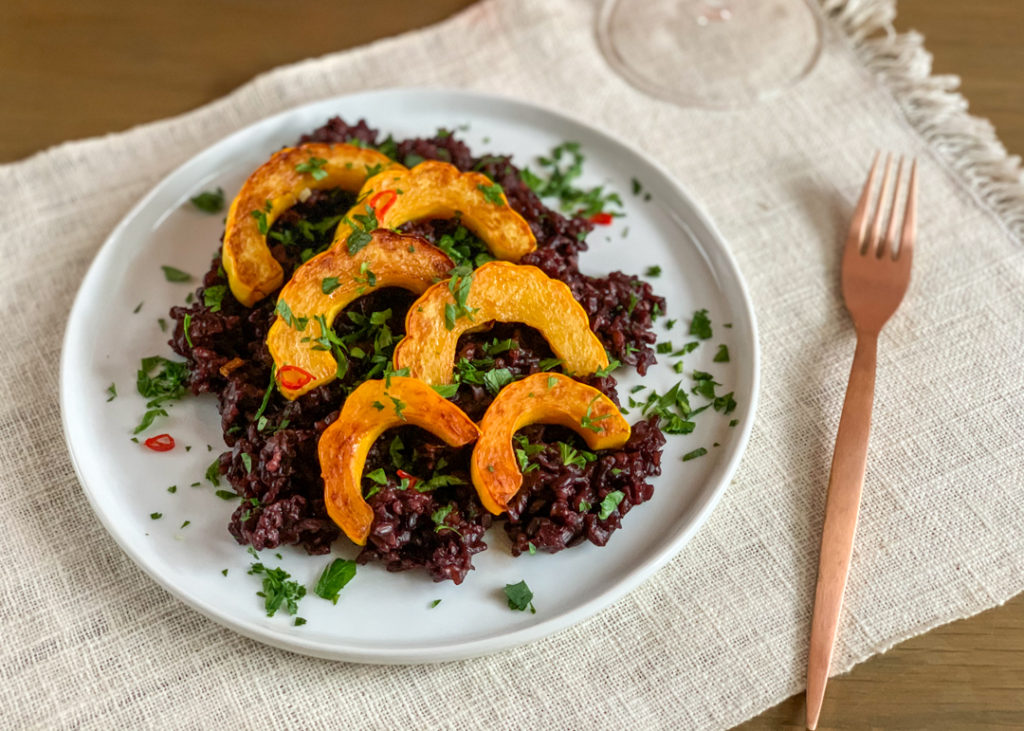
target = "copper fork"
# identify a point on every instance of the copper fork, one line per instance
(875, 277)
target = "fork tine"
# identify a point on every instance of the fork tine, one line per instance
(889, 242)
(876, 221)
(858, 225)
(910, 217)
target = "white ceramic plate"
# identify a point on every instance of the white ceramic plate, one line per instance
(384, 617)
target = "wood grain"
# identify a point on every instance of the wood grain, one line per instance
(76, 68)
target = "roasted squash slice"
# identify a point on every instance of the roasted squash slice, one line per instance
(438, 190)
(275, 187)
(497, 291)
(369, 411)
(332, 280)
(543, 398)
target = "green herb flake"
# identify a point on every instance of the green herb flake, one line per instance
(519, 597)
(277, 589)
(722, 356)
(610, 503)
(329, 284)
(224, 572)
(186, 524)
(399, 406)
(590, 422)
(213, 473)
(162, 323)
(607, 370)
(378, 476)
(314, 166)
(156, 516)
(531, 548)
(334, 578)
(497, 379)
(209, 201)
(175, 275)
(492, 193)
(734, 422)
(226, 494)
(213, 297)
(112, 391)
(700, 325)
(699, 452)
(299, 621)
(664, 348)
(552, 381)
(653, 271)
(669, 324)
(186, 326)
(435, 603)
(446, 390)
(137, 308)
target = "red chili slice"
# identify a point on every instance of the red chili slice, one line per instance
(160, 443)
(602, 219)
(293, 377)
(402, 474)
(382, 211)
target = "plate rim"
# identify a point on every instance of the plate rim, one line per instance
(707, 501)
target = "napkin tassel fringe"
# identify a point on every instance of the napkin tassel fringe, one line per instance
(935, 108)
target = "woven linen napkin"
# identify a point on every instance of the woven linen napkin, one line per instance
(721, 632)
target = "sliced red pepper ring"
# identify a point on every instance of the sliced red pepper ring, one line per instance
(382, 210)
(602, 219)
(293, 377)
(160, 443)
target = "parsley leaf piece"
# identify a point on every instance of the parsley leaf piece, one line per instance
(492, 193)
(186, 325)
(329, 284)
(664, 348)
(362, 229)
(213, 472)
(209, 201)
(734, 422)
(155, 516)
(112, 390)
(399, 406)
(519, 597)
(334, 578)
(435, 603)
(548, 364)
(378, 476)
(531, 548)
(266, 398)
(699, 452)
(314, 166)
(610, 503)
(147, 419)
(446, 390)
(226, 494)
(607, 370)
(497, 379)
(700, 325)
(299, 621)
(722, 356)
(213, 297)
(653, 271)
(439, 516)
(590, 422)
(277, 589)
(175, 275)
(247, 462)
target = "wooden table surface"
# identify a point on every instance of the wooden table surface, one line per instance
(76, 68)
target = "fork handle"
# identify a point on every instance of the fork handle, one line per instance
(844, 487)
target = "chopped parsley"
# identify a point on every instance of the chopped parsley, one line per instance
(112, 390)
(175, 275)
(700, 325)
(722, 356)
(334, 578)
(186, 325)
(213, 472)
(590, 422)
(160, 380)
(493, 193)
(435, 603)
(607, 370)
(459, 285)
(446, 390)
(282, 309)
(209, 201)
(519, 597)
(314, 166)
(277, 589)
(497, 379)
(226, 494)
(559, 172)
(213, 297)
(699, 452)
(399, 406)
(155, 516)
(610, 503)
(362, 229)
(653, 271)
(572, 456)
(439, 516)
